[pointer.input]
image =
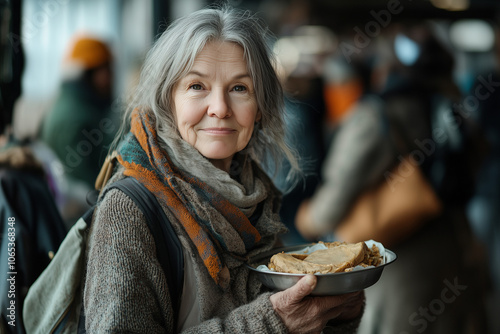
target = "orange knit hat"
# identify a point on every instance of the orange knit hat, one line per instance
(89, 52)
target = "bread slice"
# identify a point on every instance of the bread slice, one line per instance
(340, 257)
(288, 263)
(337, 258)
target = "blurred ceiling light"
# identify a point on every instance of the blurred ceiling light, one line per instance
(287, 53)
(406, 49)
(301, 49)
(315, 40)
(452, 5)
(472, 35)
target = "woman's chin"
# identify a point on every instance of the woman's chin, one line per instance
(218, 152)
(219, 160)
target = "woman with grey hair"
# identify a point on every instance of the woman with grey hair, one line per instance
(206, 114)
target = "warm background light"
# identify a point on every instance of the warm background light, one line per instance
(453, 5)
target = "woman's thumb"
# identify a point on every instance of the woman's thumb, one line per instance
(303, 287)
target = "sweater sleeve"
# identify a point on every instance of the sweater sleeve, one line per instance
(126, 289)
(255, 317)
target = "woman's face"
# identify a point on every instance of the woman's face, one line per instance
(215, 105)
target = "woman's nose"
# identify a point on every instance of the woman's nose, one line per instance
(219, 105)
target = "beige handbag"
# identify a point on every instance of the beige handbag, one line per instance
(393, 210)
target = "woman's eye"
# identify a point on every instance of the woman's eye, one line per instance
(196, 87)
(239, 88)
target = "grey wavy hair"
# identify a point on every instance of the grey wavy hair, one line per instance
(172, 56)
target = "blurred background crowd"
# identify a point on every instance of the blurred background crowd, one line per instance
(397, 94)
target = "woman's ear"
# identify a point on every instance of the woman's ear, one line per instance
(258, 117)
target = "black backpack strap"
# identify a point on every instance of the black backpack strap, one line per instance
(168, 247)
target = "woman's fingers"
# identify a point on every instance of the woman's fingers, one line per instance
(301, 314)
(348, 307)
(353, 307)
(290, 297)
(302, 288)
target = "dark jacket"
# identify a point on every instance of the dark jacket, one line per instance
(31, 230)
(79, 129)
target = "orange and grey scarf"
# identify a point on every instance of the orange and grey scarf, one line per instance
(214, 224)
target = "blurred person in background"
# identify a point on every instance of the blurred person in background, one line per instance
(80, 125)
(437, 283)
(484, 211)
(345, 83)
(312, 119)
(31, 228)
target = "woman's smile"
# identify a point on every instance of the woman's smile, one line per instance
(219, 131)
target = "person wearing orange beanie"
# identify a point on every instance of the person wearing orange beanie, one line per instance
(89, 52)
(80, 125)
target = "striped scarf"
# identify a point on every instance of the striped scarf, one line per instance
(188, 198)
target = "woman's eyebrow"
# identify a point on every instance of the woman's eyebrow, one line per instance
(203, 75)
(196, 73)
(241, 76)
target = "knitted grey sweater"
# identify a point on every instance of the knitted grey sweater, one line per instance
(126, 290)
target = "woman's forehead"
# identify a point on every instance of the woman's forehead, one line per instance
(216, 52)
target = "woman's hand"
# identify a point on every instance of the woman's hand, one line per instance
(305, 314)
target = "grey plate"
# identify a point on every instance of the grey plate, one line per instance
(327, 284)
